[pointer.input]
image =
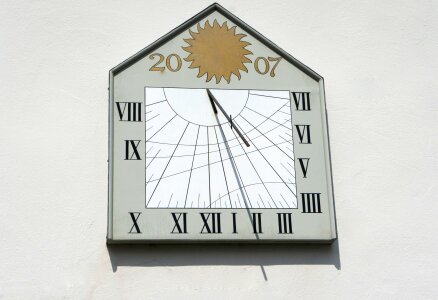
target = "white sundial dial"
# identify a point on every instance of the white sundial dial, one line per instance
(196, 158)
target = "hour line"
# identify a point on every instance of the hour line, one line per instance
(269, 118)
(161, 128)
(272, 166)
(153, 158)
(223, 168)
(208, 156)
(191, 168)
(234, 166)
(174, 150)
(269, 96)
(258, 175)
(202, 166)
(155, 103)
(267, 138)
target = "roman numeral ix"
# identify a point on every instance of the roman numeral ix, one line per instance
(302, 100)
(311, 202)
(129, 111)
(131, 150)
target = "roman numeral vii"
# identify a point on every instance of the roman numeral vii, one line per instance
(302, 100)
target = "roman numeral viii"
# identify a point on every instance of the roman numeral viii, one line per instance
(284, 222)
(129, 111)
(302, 100)
(311, 202)
(212, 222)
(131, 150)
(303, 133)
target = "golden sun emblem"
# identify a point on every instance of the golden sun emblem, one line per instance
(217, 51)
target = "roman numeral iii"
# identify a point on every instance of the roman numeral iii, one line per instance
(129, 111)
(302, 100)
(284, 222)
(311, 202)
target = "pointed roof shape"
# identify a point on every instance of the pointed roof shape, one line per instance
(198, 17)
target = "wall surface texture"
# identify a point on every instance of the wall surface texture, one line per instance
(379, 62)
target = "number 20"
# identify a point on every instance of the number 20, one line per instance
(169, 66)
(267, 65)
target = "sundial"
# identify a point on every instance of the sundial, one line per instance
(218, 135)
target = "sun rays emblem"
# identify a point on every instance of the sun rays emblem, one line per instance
(217, 51)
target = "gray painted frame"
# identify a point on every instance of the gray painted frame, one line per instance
(164, 39)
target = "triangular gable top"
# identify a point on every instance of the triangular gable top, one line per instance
(189, 23)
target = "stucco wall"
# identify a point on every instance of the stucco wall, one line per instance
(379, 63)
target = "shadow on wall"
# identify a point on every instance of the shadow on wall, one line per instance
(224, 254)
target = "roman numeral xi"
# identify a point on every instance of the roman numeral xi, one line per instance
(180, 220)
(129, 111)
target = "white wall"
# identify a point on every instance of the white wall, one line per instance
(380, 67)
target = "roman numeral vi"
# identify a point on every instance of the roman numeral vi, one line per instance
(303, 133)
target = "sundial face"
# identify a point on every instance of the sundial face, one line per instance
(216, 135)
(195, 159)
